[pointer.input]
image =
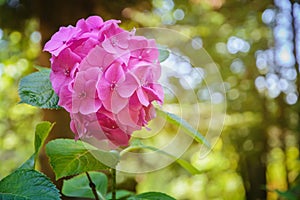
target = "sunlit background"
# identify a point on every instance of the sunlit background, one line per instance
(254, 43)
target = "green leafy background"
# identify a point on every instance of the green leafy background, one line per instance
(260, 136)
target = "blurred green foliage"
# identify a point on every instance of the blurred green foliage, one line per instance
(18, 50)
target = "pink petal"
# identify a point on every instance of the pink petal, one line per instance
(136, 44)
(85, 47)
(143, 98)
(155, 71)
(92, 74)
(116, 43)
(134, 103)
(98, 57)
(65, 60)
(150, 112)
(142, 72)
(142, 120)
(73, 128)
(59, 40)
(117, 102)
(58, 80)
(134, 114)
(122, 39)
(94, 129)
(88, 106)
(118, 137)
(107, 102)
(84, 99)
(81, 24)
(103, 89)
(77, 126)
(128, 87)
(155, 92)
(123, 57)
(115, 73)
(65, 98)
(109, 46)
(124, 118)
(108, 29)
(79, 82)
(94, 21)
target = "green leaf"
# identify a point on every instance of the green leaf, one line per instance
(151, 196)
(29, 163)
(29, 185)
(174, 119)
(136, 143)
(79, 185)
(36, 89)
(120, 194)
(69, 157)
(11, 197)
(188, 166)
(42, 130)
(164, 53)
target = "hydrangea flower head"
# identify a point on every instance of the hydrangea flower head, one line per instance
(106, 78)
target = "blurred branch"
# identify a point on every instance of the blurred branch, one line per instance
(92, 186)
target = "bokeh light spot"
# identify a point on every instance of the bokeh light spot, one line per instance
(237, 66)
(178, 14)
(15, 37)
(260, 83)
(217, 98)
(268, 16)
(235, 45)
(197, 43)
(291, 98)
(35, 37)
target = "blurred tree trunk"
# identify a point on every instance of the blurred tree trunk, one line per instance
(253, 163)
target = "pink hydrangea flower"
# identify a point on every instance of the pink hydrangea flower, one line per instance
(106, 78)
(101, 125)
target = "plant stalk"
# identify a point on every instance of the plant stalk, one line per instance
(114, 183)
(92, 186)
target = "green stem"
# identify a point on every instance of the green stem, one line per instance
(92, 186)
(114, 183)
(128, 149)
